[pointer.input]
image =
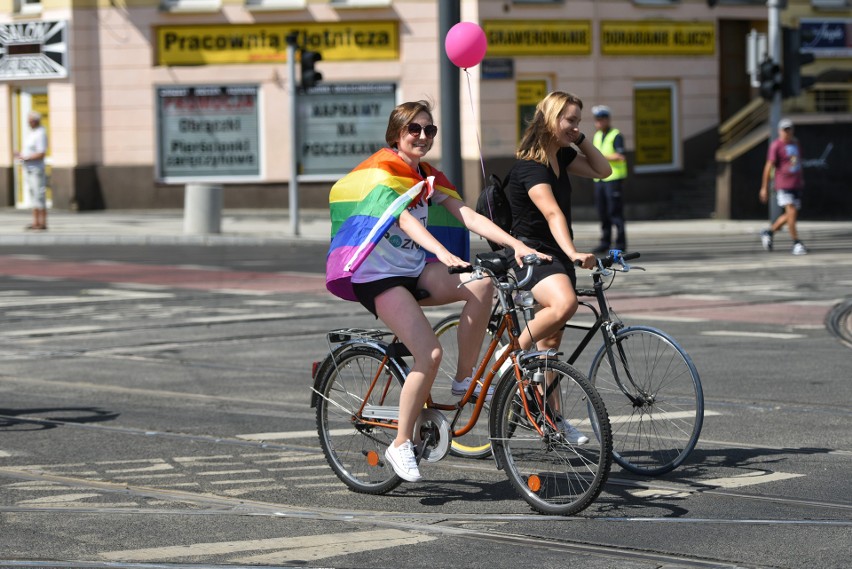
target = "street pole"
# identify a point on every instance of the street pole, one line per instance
(449, 14)
(293, 93)
(774, 41)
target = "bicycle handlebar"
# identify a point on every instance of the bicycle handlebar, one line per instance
(496, 265)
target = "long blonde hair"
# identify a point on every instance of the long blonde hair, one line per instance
(541, 131)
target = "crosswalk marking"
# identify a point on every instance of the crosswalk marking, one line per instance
(306, 548)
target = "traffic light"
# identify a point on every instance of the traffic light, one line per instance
(770, 79)
(310, 76)
(793, 82)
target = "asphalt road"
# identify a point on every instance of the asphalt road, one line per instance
(154, 412)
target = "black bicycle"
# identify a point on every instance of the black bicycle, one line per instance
(649, 384)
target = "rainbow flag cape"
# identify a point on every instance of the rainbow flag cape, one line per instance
(365, 203)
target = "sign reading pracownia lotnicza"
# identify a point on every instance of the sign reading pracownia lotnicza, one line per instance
(267, 43)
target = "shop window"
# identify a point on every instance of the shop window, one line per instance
(28, 6)
(275, 4)
(191, 5)
(831, 4)
(359, 3)
(655, 2)
(831, 101)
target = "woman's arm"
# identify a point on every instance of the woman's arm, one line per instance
(414, 229)
(590, 163)
(484, 227)
(542, 196)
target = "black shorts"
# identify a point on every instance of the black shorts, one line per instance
(561, 265)
(366, 293)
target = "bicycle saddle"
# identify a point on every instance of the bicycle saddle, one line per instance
(497, 262)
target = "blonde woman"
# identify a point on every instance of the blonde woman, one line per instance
(539, 192)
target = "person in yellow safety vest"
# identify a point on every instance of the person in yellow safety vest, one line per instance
(608, 191)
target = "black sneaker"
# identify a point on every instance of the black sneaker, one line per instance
(766, 239)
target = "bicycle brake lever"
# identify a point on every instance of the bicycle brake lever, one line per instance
(475, 275)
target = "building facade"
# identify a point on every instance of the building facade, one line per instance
(141, 97)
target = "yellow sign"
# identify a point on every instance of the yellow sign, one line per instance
(654, 126)
(267, 43)
(528, 94)
(658, 38)
(537, 37)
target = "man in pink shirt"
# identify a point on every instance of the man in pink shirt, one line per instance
(785, 157)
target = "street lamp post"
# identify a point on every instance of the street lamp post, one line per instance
(774, 41)
(293, 93)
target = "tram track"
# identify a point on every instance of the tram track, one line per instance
(652, 485)
(443, 525)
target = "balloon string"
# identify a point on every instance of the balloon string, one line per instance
(473, 112)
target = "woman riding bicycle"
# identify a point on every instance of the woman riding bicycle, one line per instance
(539, 192)
(378, 256)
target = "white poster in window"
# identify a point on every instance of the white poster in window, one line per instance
(208, 133)
(342, 124)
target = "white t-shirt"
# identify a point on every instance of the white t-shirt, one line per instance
(396, 254)
(35, 143)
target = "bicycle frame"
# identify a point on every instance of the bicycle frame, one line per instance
(608, 328)
(394, 352)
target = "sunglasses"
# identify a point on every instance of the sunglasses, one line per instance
(415, 129)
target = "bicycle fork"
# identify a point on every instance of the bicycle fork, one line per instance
(643, 398)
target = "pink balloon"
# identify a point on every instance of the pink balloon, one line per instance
(466, 44)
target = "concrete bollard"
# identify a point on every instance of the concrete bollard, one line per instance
(202, 209)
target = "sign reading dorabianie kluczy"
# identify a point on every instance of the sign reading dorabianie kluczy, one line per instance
(208, 133)
(33, 50)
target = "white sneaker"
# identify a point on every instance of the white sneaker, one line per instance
(460, 388)
(799, 248)
(402, 460)
(572, 435)
(506, 365)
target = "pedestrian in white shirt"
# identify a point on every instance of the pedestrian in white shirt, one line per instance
(32, 155)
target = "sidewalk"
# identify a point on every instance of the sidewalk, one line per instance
(258, 227)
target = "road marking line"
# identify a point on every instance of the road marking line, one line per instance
(247, 481)
(773, 335)
(669, 415)
(308, 547)
(314, 551)
(748, 479)
(659, 493)
(62, 498)
(52, 331)
(289, 435)
(224, 472)
(663, 318)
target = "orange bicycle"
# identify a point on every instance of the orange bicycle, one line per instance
(538, 409)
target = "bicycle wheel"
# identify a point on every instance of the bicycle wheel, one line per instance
(657, 426)
(475, 443)
(355, 450)
(554, 474)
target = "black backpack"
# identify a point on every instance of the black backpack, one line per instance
(493, 204)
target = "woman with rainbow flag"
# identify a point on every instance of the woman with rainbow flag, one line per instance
(380, 213)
